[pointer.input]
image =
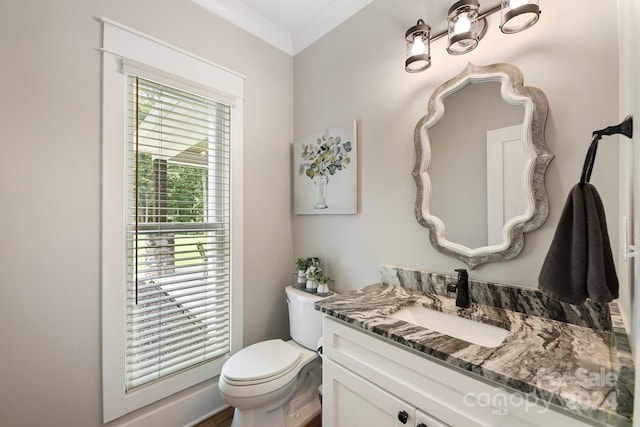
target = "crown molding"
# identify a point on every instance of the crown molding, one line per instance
(290, 42)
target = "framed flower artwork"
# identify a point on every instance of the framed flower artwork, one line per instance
(325, 176)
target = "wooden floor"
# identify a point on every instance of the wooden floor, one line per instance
(223, 419)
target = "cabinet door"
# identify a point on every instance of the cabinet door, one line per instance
(349, 400)
(425, 420)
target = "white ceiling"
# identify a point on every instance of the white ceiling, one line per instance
(293, 25)
(289, 25)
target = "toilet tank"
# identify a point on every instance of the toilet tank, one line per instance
(305, 322)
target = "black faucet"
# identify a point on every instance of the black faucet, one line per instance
(461, 288)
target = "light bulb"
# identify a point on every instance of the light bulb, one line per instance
(418, 47)
(517, 3)
(462, 24)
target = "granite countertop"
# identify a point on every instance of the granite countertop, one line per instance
(574, 367)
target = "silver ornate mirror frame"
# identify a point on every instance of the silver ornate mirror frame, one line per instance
(537, 204)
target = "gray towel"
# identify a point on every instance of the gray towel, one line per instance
(579, 264)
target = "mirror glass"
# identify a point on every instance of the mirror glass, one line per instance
(481, 160)
(460, 182)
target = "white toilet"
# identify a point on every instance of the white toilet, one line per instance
(275, 383)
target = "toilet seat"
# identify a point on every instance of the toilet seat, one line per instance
(260, 363)
(266, 382)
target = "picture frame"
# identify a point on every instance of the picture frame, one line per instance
(325, 175)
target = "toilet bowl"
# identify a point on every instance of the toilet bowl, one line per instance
(275, 383)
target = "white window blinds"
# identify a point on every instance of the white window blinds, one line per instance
(178, 231)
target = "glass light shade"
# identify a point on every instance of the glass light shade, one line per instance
(418, 48)
(518, 15)
(463, 27)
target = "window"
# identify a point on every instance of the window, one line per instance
(172, 219)
(178, 224)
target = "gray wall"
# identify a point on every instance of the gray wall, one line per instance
(50, 192)
(357, 72)
(50, 167)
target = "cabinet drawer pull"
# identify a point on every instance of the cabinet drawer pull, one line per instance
(403, 417)
(422, 425)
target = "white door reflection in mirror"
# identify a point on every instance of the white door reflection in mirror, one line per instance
(506, 161)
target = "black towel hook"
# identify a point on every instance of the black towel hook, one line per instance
(625, 128)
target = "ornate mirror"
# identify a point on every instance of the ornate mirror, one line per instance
(481, 159)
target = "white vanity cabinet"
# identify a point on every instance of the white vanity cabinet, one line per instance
(370, 381)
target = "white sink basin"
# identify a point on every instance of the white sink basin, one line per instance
(454, 326)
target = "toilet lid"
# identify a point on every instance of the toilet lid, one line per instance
(261, 361)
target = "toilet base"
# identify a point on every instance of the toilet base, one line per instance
(296, 411)
(305, 414)
(243, 418)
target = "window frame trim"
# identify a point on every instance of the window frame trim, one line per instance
(173, 66)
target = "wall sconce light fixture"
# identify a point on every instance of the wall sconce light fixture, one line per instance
(465, 27)
(418, 47)
(518, 15)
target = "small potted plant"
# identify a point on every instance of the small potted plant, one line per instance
(313, 273)
(323, 286)
(302, 264)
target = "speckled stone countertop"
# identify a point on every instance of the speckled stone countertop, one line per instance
(586, 370)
